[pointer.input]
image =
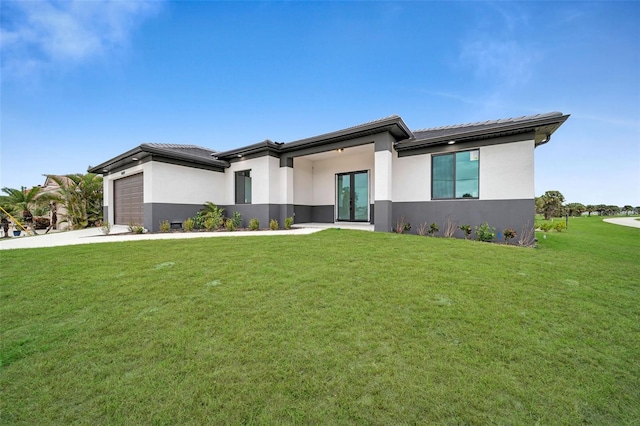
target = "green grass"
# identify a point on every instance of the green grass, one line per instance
(339, 327)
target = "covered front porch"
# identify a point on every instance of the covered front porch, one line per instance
(346, 187)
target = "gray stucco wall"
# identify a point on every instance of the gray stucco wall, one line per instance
(302, 213)
(154, 213)
(263, 212)
(383, 210)
(500, 214)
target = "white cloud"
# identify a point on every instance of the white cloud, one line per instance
(507, 61)
(498, 49)
(35, 34)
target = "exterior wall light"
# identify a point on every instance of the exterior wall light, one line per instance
(451, 142)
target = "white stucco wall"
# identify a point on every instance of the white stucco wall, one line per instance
(265, 180)
(302, 181)
(169, 183)
(383, 183)
(411, 178)
(324, 172)
(507, 172)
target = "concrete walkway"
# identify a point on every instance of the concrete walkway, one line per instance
(624, 221)
(120, 233)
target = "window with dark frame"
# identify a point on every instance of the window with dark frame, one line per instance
(455, 175)
(243, 187)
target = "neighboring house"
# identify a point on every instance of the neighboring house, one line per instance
(51, 187)
(377, 172)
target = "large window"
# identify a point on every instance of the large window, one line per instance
(455, 175)
(243, 187)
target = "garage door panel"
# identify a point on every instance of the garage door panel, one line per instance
(129, 200)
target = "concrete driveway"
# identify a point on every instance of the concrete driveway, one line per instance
(121, 233)
(624, 221)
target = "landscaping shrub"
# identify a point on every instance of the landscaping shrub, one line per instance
(559, 226)
(466, 229)
(450, 228)
(423, 229)
(485, 232)
(254, 224)
(545, 227)
(215, 213)
(273, 224)
(288, 222)
(237, 220)
(188, 225)
(198, 220)
(165, 226)
(230, 225)
(433, 229)
(210, 224)
(402, 226)
(527, 235)
(509, 233)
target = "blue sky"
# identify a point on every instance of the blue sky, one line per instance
(85, 81)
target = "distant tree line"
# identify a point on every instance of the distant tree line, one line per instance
(551, 204)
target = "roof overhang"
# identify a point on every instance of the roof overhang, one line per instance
(148, 152)
(542, 128)
(261, 148)
(392, 124)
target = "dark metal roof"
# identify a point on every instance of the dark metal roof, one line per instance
(542, 124)
(189, 153)
(392, 124)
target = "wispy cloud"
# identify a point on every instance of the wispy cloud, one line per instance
(506, 61)
(495, 52)
(37, 34)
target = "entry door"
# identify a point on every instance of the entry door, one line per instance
(352, 195)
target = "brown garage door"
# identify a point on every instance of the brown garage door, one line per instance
(128, 200)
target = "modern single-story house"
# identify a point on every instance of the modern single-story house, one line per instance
(378, 172)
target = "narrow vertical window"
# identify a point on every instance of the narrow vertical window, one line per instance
(455, 175)
(243, 187)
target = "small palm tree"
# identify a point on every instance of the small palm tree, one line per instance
(21, 202)
(81, 195)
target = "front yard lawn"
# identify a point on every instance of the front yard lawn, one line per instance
(339, 327)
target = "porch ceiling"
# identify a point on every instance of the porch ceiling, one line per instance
(354, 150)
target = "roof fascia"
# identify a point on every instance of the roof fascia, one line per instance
(257, 148)
(466, 145)
(143, 151)
(109, 164)
(394, 125)
(552, 123)
(171, 153)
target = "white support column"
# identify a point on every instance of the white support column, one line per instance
(286, 193)
(286, 185)
(382, 191)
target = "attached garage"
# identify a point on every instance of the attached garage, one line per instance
(129, 200)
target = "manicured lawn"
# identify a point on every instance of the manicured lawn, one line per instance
(340, 327)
